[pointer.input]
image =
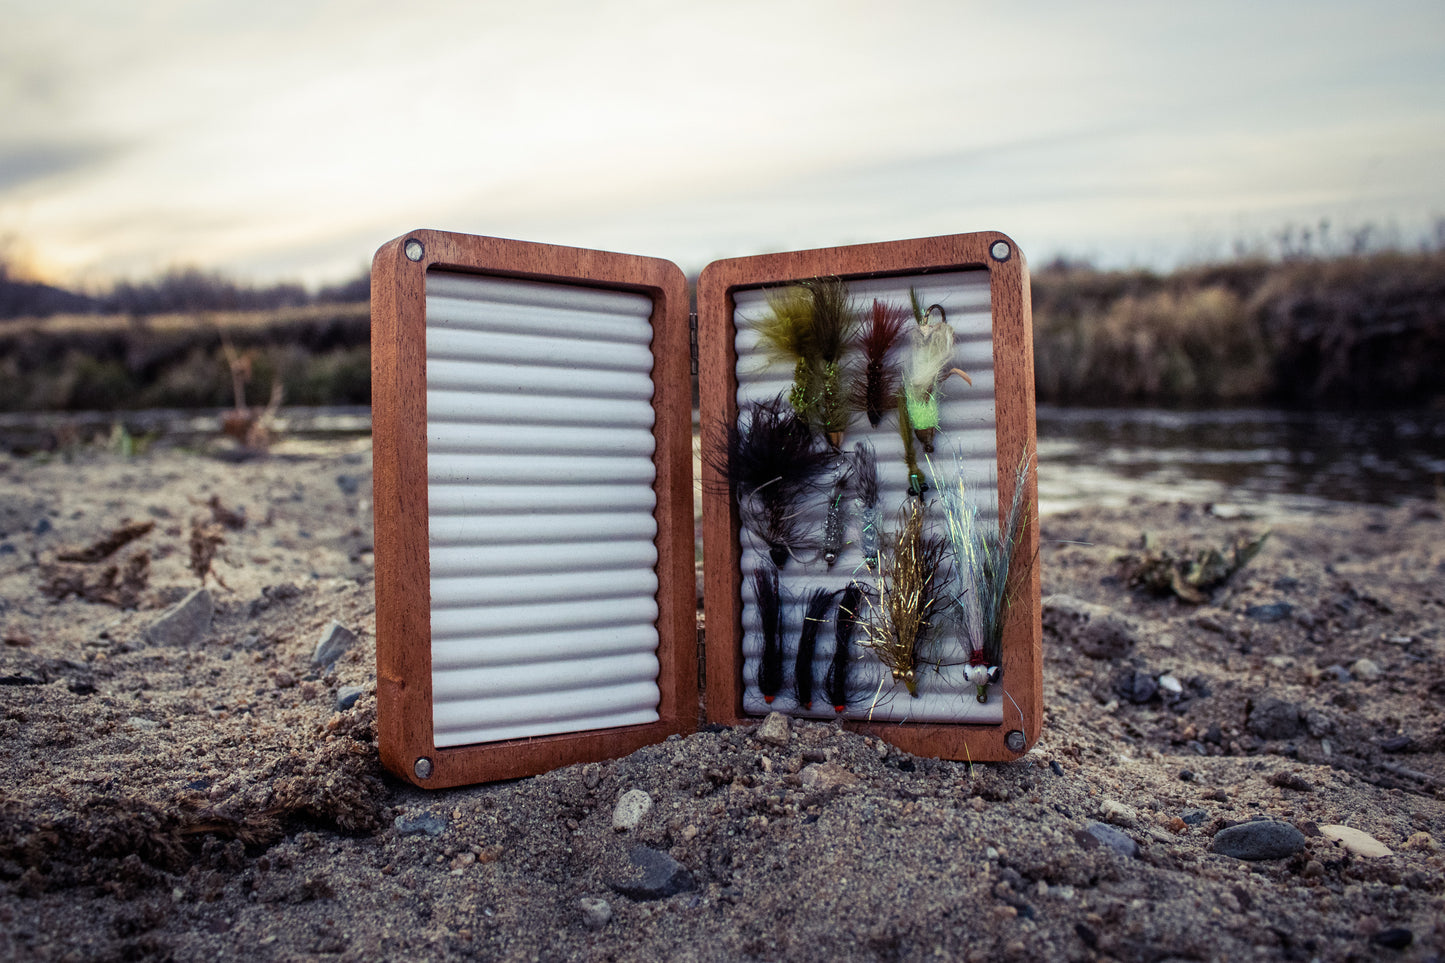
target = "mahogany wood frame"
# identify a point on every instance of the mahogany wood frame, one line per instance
(403, 595)
(1014, 406)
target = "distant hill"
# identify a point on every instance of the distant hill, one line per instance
(30, 299)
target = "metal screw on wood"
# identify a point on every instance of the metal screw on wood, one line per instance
(1014, 740)
(423, 767)
(1000, 250)
(414, 249)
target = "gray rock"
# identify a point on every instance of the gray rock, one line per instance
(631, 808)
(184, 623)
(1104, 835)
(591, 775)
(420, 824)
(1097, 631)
(335, 640)
(653, 875)
(1272, 718)
(774, 730)
(1260, 839)
(1336, 673)
(1273, 612)
(825, 776)
(1193, 817)
(1138, 687)
(596, 913)
(346, 697)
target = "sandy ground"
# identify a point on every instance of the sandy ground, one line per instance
(200, 796)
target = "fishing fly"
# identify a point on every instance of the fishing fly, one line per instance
(908, 599)
(835, 521)
(865, 487)
(836, 681)
(928, 364)
(819, 602)
(770, 615)
(916, 485)
(772, 461)
(878, 388)
(983, 567)
(814, 326)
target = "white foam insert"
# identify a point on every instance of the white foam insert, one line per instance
(966, 426)
(539, 489)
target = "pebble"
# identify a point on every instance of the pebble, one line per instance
(1170, 686)
(1274, 718)
(596, 913)
(654, 875)
(774, 730)
(1057, 769)
(1336, 673)
(824, 776)
(1365, 670)
(335, 640)
(420, 824)
(1397, 938)
(1118, 813)
(346, 697)
(1422, 841)
(631, 808)
(1194, 816)
(1257, 840)
(1397, 743)
(185, 622)
(1359, 843)
(591, 775)
(1273, 612)
(1136, 686)
(1119, 842)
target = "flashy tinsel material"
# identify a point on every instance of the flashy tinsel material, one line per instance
(770, 614)
(878, 388)
(983, 566)
(908, 599)
(773, 461)
(927, 365)
(813, 326)
(836, 682)
(865, 487)
(819, 602)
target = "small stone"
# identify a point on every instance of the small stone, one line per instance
(1397, 938)
(1057, 769)
(1336, 673)
(654, 875)
(1397, 743)
(591, 775)
(1118, 813)
(824, 776)
(1359, 843)
(1119, 842)
(335, 640)
(283, 680)
(1314, 869)
(1170, 686)
(1273, 718)
(185, 622)
(689, 833)
(1422, 842)
(596, 913)
(774, 730)
(1177, 826)
(420, 824)
(1273, 612)
(1194, 816)
(1291, 780)
(631, 808)
(346, 697)
(1317, 724)
(1257, 840)
(1186, 775)
(1136, 686)
(1365, 670)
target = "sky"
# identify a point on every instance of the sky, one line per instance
(286, 141)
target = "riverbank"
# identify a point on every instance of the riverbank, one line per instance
(1346, 332)
(200, 794)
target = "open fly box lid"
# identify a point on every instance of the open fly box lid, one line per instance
(531, 426)
(532, 450)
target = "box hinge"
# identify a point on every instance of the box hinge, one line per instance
(692, 339)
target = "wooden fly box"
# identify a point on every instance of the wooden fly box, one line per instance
(534, 499)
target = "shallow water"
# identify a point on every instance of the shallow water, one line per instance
(1252, 458)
